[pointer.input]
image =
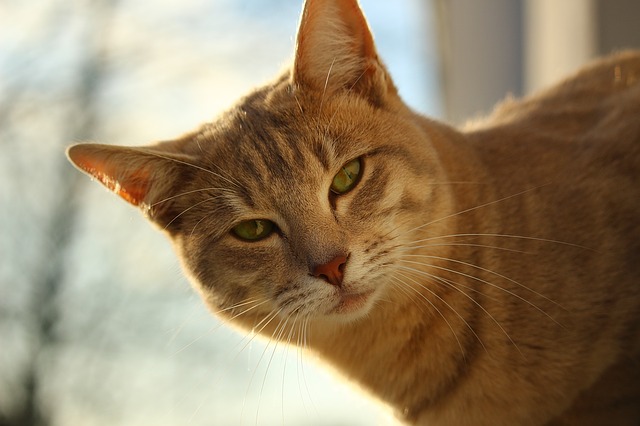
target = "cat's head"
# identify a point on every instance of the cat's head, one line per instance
(296, 201)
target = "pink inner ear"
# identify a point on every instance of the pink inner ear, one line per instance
(335, 49)
(133, 188)
(132, 184)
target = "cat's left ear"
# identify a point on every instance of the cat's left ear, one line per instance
(146, 177)
(335, 51)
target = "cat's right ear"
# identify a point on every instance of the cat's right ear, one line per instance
(142, 176)
(335, 51)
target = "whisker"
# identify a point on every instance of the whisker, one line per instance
(300, 347)
(204, 216)
(295, 97)
(400, 285)
(223, 174)
(450, 308)
(447, 259)
(454, 183)
(487, 283)
(355, 83)
(466, 287)
(475, 208)
(520, 237)
(326, 84)
(454, 286)
(261, 325)
(222, 321)
(305, 345)
(175, 331)
(199, 146)
(434, 307)
(275, 336)
(271, 316)
(220, 374)
(409, 247)
(241, 304)
(212, 188)
(286, 357)
(287, 346)
(349, 90)
(189, 208)
(195, 166)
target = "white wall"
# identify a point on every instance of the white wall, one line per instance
(559, 37)
(490, 48)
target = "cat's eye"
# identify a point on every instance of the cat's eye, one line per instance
(347, 177)
(253, 230)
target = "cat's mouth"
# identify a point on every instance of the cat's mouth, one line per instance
(350, 303)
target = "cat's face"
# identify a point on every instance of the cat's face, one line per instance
(298, 201)
(306, 209)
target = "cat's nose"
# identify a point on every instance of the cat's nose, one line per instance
(332, 271)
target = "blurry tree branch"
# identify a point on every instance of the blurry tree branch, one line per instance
(49, 274)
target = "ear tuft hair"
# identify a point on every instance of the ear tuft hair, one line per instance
(335, 51)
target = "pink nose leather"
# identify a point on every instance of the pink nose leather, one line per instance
(331, 272)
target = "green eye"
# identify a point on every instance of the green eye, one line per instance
(346, 178)
(254, 230)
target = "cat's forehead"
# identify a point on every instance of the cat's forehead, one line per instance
(275, 132)
(260, 154)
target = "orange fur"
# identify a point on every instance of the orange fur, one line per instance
(493, 272)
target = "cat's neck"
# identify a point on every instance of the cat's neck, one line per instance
(383, 349)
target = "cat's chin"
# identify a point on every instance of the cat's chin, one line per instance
(352, 306)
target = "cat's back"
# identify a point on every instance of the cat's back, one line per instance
(563, 166)
(602, 97)
(567, 163)
(580, 142)
(584, 131)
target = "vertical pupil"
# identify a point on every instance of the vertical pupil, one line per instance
(258, 227)
(346, 178)
(255, 229)
(346, 172)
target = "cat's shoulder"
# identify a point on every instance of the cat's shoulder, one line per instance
(586, 123)
(610, 74)
(600, 102)
(609, 84)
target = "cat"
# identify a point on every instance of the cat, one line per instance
(488, 275)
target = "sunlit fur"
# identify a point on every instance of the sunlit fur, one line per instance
(498, 267)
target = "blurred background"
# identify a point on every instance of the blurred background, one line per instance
(97, 324)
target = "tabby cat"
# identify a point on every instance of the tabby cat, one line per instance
(483, 276)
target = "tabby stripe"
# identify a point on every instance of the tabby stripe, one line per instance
(367, 199)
